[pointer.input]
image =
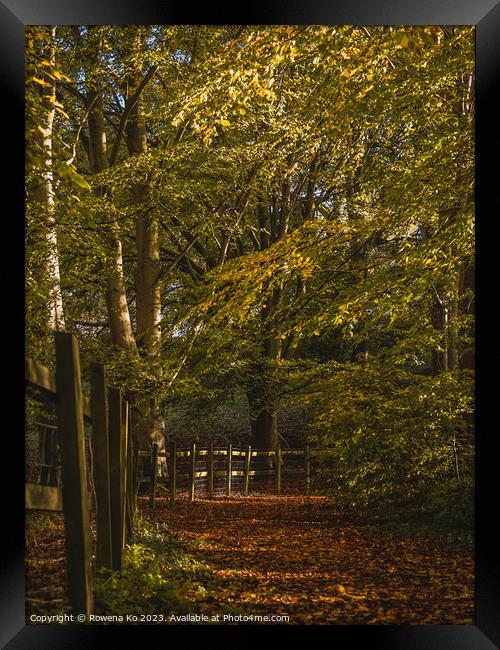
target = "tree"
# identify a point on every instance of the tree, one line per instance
(285, 211)
(41, 106)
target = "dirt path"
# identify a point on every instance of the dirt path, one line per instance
(297, 555)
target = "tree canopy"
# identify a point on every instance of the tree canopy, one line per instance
(284, 212)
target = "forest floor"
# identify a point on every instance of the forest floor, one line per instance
(300, 556)
(267, 555)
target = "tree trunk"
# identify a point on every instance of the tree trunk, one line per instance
(260, 396)
(148, 287)
(42, 190)
(148, 297)
(439, 320)
(116, 299)
(452, 313)
(263, 420)
(462, 108)
(467, 307)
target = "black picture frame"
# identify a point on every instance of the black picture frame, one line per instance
(485, 15)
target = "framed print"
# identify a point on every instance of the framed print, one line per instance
(250, 281)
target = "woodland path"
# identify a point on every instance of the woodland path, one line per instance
(299, 555)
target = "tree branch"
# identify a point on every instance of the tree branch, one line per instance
(126, 113)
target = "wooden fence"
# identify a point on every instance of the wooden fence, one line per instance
(114, 467)
(210, 453)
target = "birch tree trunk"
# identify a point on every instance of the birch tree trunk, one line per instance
(42, 189)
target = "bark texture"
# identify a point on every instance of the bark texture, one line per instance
(42, 189)
(120, 324)
(150, 422)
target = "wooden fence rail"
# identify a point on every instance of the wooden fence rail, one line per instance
(114, 467)
(228, 473)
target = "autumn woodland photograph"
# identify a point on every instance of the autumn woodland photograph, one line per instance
(249, 324)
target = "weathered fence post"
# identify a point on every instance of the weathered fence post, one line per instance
(211, 471)
(75, 496)
(135, 462)
(247, 470)
(123, 468)
(100, 452)
(136, 474)
(307, 463)
(116, 446)
(229, 468)
(130, 481)
(192, 474)
(154, 470)
(173, 470)
(278, 469)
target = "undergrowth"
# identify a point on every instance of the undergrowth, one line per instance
(159, 576)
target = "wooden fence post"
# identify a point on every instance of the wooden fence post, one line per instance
(173, 470)
(74, 473)
(123, 468)
(307, 463)
(115, 456)
(154, 470)
(278, 469)
(136, 473)
(130, 482)
(247, 470)
(100, 452)
(135, 462)
(211, 471)
(229, 468)
(192, 472)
